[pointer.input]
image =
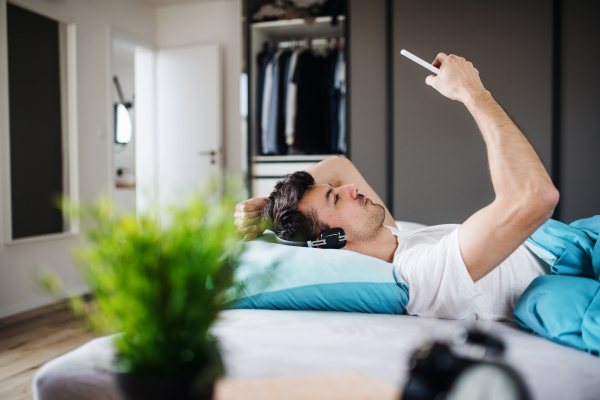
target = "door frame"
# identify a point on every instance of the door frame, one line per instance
(68, 74)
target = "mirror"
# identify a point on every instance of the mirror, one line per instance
(123, 124)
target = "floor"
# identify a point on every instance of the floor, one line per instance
(29, 340)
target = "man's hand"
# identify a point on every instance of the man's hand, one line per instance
(457, 80)
(247, 218)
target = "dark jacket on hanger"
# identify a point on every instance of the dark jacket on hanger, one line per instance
(284, 64)
(331, 101)
(310, 115)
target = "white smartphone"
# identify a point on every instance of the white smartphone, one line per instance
(420, 62)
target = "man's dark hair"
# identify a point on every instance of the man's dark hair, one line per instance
(281, 214)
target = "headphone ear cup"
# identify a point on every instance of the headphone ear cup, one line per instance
(335, 238)
(333, 242)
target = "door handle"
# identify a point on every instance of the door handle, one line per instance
(210, 153)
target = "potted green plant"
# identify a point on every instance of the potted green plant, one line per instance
(159, 288)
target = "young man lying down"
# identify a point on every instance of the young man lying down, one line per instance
(476, 270)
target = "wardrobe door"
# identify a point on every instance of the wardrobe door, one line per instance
(580, 130)
(440, 165)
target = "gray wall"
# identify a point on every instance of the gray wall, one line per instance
(367, 85)
(580, 178)
(441, 173)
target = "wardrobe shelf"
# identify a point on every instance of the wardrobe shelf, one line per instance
(298, 29)
(293, 158)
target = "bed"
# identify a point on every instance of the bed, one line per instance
(259, 344)
(267, 344)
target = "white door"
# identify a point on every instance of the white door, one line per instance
(189, 119)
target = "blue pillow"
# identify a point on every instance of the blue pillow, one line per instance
(279, 277)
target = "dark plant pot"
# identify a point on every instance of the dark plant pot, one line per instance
(142, 387)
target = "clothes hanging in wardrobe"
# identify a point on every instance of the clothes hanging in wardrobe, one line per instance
(340, 84)
(282, 101)
(268, 106)
(290, 109)
(301, 93)
(310, 114)
(263, 59)
(332, 100)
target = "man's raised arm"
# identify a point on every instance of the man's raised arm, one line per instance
(525, 195)
(337, 171)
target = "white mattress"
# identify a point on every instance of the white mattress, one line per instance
(263, 344)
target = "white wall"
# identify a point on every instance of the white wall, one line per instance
(218, 22)
(19, 263)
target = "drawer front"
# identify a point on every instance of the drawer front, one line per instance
(279, 170)
(263, 187)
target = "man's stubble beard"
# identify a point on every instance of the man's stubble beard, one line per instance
(373, 225)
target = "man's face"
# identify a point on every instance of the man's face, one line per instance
(343, 207)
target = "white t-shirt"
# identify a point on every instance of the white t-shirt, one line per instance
(430, 261)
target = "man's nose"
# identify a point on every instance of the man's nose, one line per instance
(351, 190)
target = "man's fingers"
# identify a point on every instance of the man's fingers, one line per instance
(430, 80)
(243, 223)
(254, 204)
(245, 207)
(439, 59)
(257, 202)
(249, 222)
(250, 229)
(247, 218)
(250, 236)
(244, 231)
(246, 215)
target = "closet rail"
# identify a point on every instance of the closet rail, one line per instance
(312, 42)
(301, 97)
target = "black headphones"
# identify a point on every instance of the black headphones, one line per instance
(334, 238)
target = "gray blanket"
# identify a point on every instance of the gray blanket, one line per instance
(265, 344)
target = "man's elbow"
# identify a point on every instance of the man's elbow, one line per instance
(339, 163)
(542, 201)
(340, 160)
(551, 200)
